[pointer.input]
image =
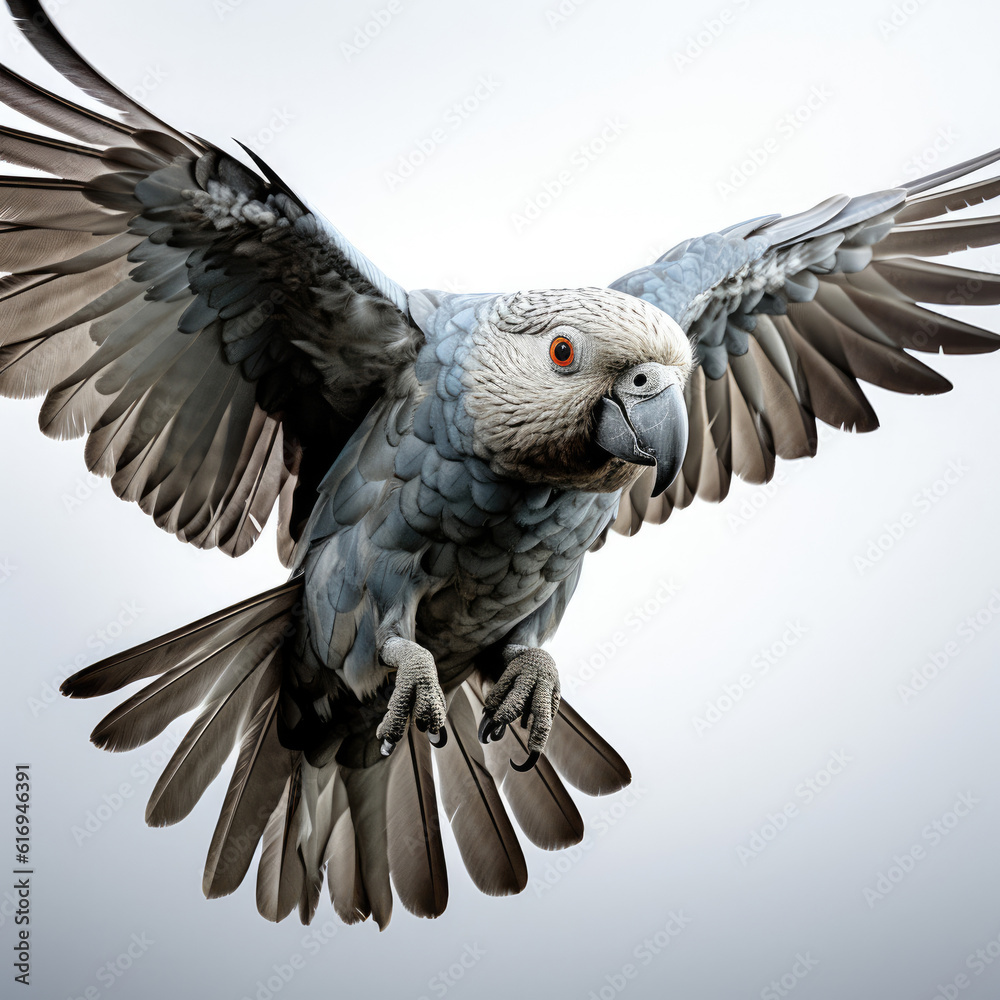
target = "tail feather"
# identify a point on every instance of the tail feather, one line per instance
(416, 854)
(367, 794)
(262, 770)
(199, 758)
(364, 829)
(543, 808)
(324, 800)
(180, 689)
(281, 874)
(149, 711)
(486, 839)
(199, 639)
(347, 888)
(583, 757)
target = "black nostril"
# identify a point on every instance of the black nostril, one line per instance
(639, 380)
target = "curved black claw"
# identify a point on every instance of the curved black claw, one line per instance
(387, 747)
(532, 760)
(422, 725)
(488, 730)
(438, 739)
(485, 726)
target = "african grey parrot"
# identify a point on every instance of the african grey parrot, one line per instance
(441, 463)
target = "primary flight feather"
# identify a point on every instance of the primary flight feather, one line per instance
(441, 466)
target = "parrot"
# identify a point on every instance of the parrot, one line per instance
(439, 465)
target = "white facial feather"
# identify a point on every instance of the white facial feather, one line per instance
(534, 419)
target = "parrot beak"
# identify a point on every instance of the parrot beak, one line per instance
(645, 421)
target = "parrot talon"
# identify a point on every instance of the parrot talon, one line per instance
(438, 739)
(416, 694)
(529, 763)
(527, 691)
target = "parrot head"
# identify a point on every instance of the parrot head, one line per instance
(573, 388)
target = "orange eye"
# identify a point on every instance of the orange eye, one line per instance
(561, 352)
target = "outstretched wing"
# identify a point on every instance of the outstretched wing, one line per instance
(216, 339)
(786, 314)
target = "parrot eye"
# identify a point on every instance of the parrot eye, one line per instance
(561, 352)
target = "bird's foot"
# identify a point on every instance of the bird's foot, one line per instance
(417, 692)
(528, 688)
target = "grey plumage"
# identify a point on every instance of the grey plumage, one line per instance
(435, 463)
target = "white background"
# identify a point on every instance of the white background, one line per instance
(334, 124)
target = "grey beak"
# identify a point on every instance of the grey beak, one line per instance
(645, 421)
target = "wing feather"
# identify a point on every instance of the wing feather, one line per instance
(210, 295)
(787, 315)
